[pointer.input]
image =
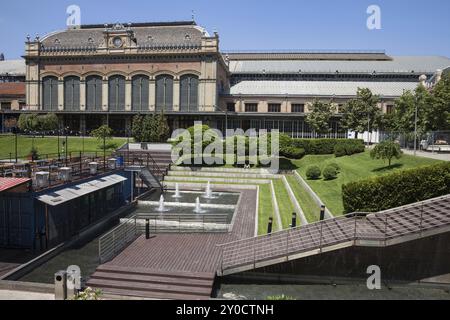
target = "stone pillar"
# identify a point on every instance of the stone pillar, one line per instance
(152, 94)
(176, 94)
(82, 94)
(128, 94)
(33, 99)
(60, 94)
(105, 95)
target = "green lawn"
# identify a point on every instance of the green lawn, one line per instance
(309, 207)
(49, 145)
(284, 203)
(265, 209)
(353, 168)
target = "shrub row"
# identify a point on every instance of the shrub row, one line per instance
(397, 189)
(328, 146)
(348, 148)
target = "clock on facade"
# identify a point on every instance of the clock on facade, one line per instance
(117, 42)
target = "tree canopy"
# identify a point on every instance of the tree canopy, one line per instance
(320, 116)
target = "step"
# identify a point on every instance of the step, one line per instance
(152, 279)
(150, 295)
(149, 272)
(149, 287)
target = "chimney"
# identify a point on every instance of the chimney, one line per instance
(423, 80)
(438, 75)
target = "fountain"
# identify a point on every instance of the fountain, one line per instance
(208, 192)
(198, 207)
(162, 206)
(177, 191)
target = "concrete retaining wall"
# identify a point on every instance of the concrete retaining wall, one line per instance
(294, 201)
(276, 208)
(315, 197)
(224, 180)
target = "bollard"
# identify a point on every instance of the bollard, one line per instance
(270, 226)
(294, 220)
(322, 213)
(147, 229)
(61, 285)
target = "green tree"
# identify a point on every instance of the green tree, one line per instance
(28, 122)
(136, 128)
(437, 114)
(103, 134)
(362, 113)
(162, 127)
(48, 122)
(386, 150)
(319, 117)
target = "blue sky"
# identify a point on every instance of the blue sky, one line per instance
(409, 27)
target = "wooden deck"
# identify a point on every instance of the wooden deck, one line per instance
(169, 255)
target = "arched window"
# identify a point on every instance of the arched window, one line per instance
(50, 94)
(189, 93)
(94, 93)
(116, 98)
(140, 93)
(72, 93)
(164, 93)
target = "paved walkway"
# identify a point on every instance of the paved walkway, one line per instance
(23, 295)
(423, 154)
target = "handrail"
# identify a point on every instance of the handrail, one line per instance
(380, 226)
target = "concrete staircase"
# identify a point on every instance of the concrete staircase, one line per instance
(151, 284)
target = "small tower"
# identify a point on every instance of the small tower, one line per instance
(2, 57)
(423, 80)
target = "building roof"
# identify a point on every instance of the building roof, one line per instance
(320, 88)
(398, 64)
(10, 183)
(12, 67)
(374, 55)
(68, 194)
(12, 89)
(146, 34)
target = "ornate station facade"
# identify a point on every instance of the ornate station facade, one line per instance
(97, 74)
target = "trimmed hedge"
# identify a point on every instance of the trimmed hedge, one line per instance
(292, 152)
(313, 173)
(397, 189)
(327, 146)
(330, 173)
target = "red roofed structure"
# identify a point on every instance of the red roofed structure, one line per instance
(14, 184)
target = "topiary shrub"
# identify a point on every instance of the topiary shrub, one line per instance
(330, 173)
(313, 173)
(397, 189)
(339, 151)
(293, 153)
(335, 166)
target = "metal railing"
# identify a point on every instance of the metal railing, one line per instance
(375, 228)
(184, 223)
(112, 243)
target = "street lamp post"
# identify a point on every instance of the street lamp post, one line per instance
(415, 128)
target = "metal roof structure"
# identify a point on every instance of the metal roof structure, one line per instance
(10, 183)
(62, 196)
(398, 64)
(320, 88)
(12, 67)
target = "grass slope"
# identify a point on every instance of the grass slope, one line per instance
(309, 207)
(284, 203)
(353, 168)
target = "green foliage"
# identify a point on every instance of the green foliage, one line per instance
(339, 151)
(327, 146)
(386, 150)
(397, 189)
(319, 117)
(330, 173)
(438, 111)
(348, 148)
(34, 122)
(313, 173)
(335, 166)
(362, 113)
(150, 128)
(292, 152)
(102, 133)
(88, 294)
